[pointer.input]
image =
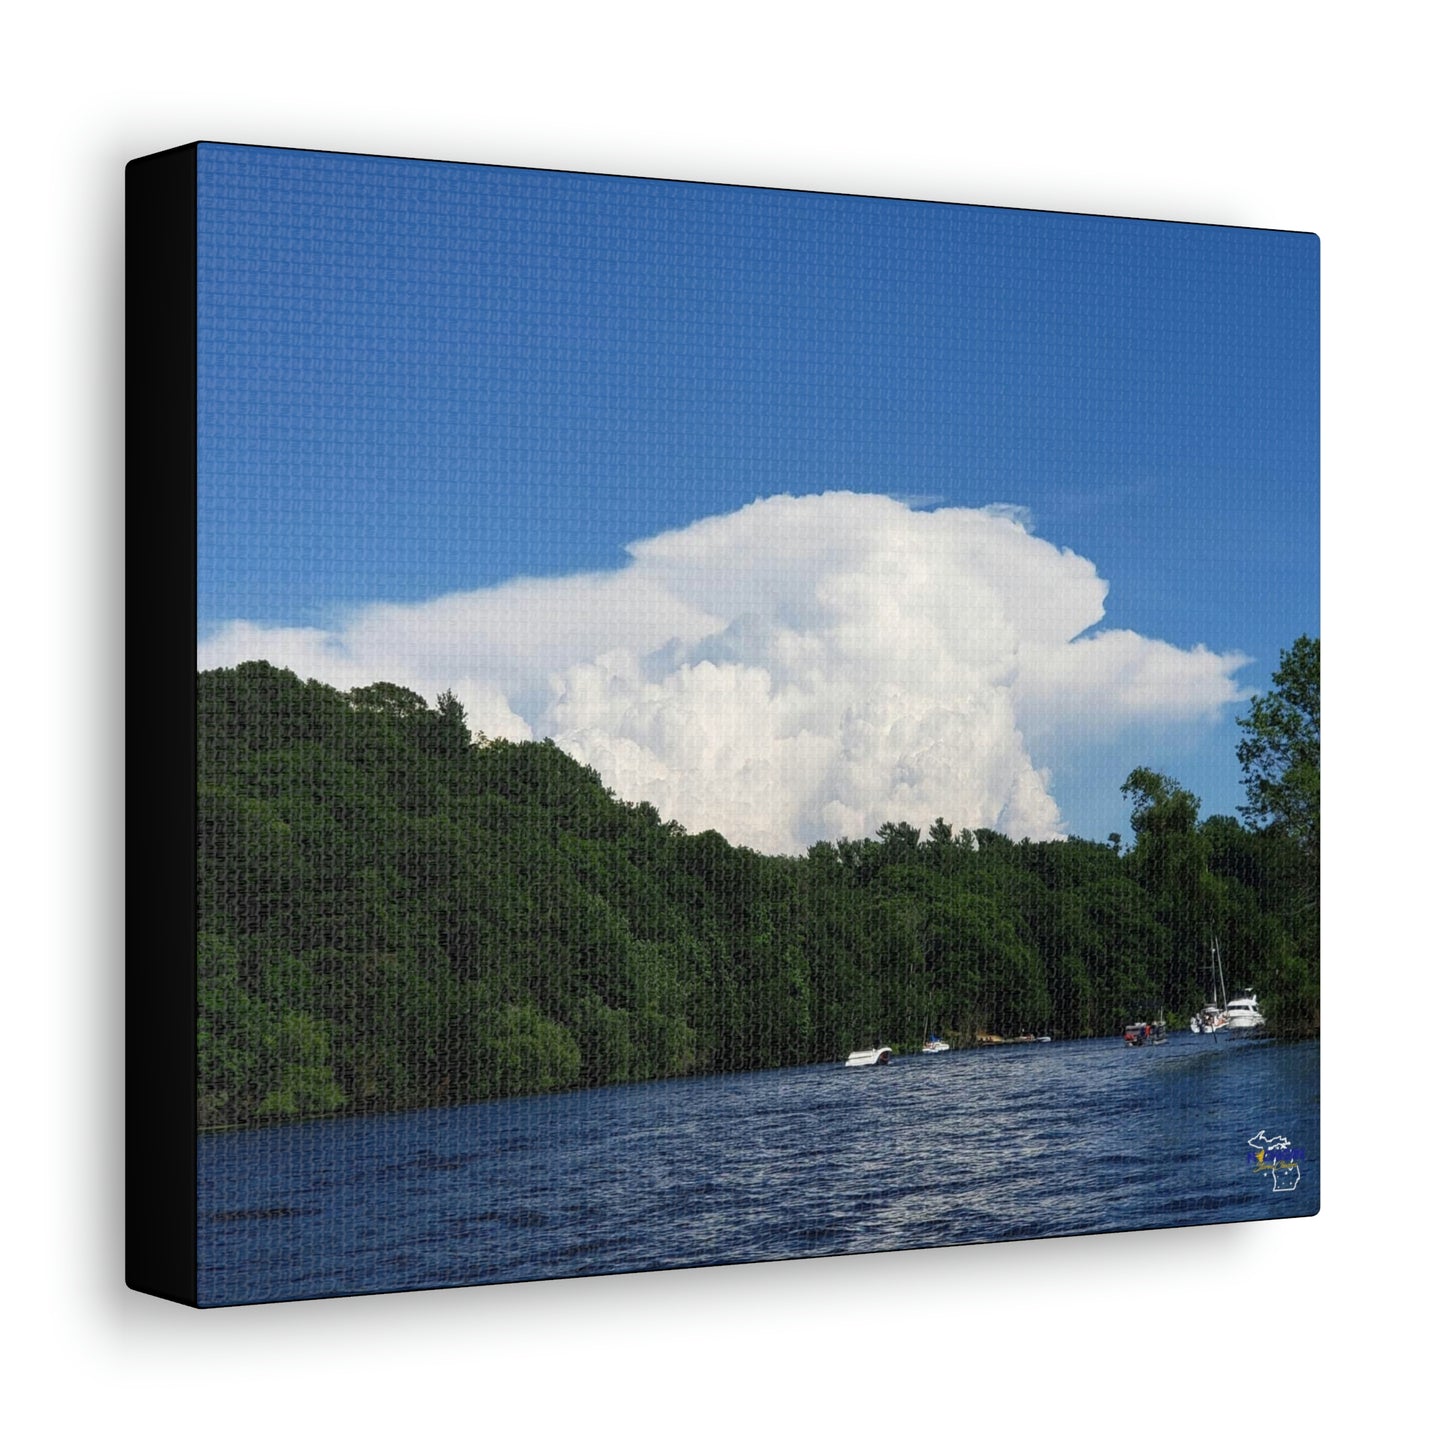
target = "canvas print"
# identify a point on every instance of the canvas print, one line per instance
(737, 724)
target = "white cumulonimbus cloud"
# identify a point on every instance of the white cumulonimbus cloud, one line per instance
(806, 667)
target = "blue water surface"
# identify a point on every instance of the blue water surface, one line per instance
(1010, 1142)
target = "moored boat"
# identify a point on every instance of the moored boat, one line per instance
(1242, 1014)
(935, 1045)
(1234, 1015)
(860, 1058)
(1211, 1019)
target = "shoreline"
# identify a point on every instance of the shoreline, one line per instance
(977, 1046)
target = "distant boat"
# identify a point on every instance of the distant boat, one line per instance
(1235, 1015)
(935, 1045)
(1146, 1033)
(861, 1057)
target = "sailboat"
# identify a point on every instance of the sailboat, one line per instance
(1213, 1017)
(1234, 1015)
(934, 1045)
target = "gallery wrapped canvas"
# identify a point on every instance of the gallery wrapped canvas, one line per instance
(716, 724)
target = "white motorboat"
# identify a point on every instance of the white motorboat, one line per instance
(1242, 1014)
(859, 1058)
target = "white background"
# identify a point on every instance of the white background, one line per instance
(1279, 115)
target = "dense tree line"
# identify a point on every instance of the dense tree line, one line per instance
(395, 914)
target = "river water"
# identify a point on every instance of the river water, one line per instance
(1010, 1142)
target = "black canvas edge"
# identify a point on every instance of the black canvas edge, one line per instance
(160, 988)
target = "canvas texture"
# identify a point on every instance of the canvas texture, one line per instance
(738, 724)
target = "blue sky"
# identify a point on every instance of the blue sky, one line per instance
(419, 379)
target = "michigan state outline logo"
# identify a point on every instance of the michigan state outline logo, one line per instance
(1273, 1155)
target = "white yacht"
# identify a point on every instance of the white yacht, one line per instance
(1242, 1014)
(935, 1045)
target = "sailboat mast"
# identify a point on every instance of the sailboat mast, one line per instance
(1223, 990)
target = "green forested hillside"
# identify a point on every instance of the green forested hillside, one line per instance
(393, 914)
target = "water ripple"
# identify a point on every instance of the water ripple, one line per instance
(964, 1147)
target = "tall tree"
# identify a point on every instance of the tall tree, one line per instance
(1161, 810)
(1280, 754)
(900, 842)
(1170, 859)
(1280, 750)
